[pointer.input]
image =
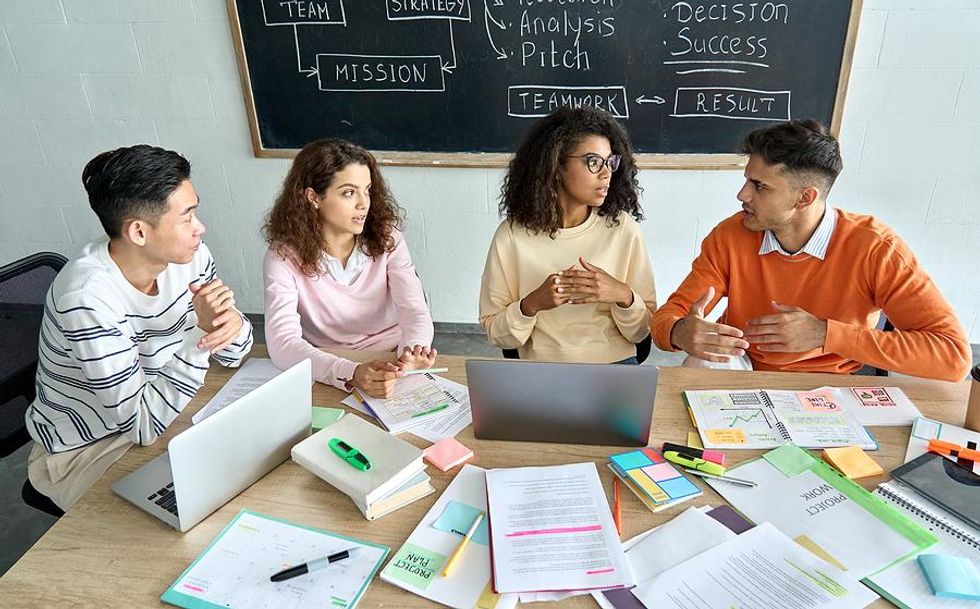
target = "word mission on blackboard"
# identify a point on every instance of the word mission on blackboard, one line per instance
(467, 75)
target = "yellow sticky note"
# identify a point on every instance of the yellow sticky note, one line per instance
(852, 462)
(694, 440)
(488, 598)
(644, 482)
(725, 436)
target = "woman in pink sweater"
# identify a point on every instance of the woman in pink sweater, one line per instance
(338, 274)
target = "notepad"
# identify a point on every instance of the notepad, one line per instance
(764, 418)
(234, 570)
(656, 482)
(852, 462)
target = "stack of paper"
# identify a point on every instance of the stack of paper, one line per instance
(551, 530)
(417, 565)
(395, 478)
(430, 407)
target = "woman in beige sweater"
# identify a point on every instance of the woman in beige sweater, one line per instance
(568, 277)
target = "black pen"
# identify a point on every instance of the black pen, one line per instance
(313, 565)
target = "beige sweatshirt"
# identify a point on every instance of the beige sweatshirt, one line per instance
(518, 262)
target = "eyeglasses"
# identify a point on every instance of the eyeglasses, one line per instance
(595, 163)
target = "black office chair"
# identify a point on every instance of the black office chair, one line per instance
(23, 287)
(642, 350)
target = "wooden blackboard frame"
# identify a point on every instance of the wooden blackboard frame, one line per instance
(497, 160)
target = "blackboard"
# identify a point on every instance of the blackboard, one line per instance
(459, 82)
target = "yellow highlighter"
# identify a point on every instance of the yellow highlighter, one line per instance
(462, 545)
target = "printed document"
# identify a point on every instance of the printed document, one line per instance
(253, 374)
(759, 568)
(551, 529)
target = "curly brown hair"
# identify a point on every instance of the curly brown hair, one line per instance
(293, 227)
(529, 195)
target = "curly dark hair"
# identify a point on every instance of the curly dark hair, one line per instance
(529, 195)
(292, 226)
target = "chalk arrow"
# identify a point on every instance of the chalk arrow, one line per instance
(446, 67)
(656, 100)
(487, 18)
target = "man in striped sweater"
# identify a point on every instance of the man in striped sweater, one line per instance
(130, 326)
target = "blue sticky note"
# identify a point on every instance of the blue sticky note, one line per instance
(458, 518)
(631, 460)
(678, 487)
(951, 576)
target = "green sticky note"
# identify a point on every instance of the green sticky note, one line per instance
(416, 566)
(790, 459)
(325, 416)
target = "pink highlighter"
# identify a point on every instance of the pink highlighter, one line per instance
(715, 456)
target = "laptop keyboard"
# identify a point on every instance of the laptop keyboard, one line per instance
(165, 498)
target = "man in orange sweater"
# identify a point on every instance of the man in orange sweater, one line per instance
(805, 282)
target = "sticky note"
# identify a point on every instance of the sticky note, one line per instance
(790, 459)
(678, 487)
(457, 519)
(324, 416)
(661, 471)
(694, 440)
(631, 460)
(447, 453)
(852, 461)
(416, 566)
(725, 436)
(951, 576)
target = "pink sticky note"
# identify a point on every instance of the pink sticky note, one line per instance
(447, 454)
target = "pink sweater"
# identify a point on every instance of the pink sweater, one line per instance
(382, 310)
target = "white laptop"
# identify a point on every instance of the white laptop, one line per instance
(208, 464)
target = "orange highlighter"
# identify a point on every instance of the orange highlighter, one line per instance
(953, 450)
(617, 508)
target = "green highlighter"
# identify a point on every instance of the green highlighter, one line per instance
(348, 453)
(694, 463)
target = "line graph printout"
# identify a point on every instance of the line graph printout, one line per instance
(234, 570)
(756, 418)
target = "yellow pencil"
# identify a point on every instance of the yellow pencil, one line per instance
(462, 545)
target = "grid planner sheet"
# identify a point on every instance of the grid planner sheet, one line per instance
(235, 570)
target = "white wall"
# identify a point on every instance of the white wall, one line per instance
(81, 76)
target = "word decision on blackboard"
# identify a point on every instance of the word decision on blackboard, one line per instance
(472, 75)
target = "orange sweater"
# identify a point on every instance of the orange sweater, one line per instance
(867, 269)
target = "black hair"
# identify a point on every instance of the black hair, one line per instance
(133, 182)
(529, 195)
(805, 147)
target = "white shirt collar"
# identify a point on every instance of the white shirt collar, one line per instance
(346, 275)
(816, 246)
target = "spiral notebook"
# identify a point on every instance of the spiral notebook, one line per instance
(764, 418)
(904, 584)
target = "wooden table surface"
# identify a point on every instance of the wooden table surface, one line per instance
(107, 553)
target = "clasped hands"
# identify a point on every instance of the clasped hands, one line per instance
(788, 329)
(590, 284)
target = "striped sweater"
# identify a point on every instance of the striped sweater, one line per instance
(113, 360)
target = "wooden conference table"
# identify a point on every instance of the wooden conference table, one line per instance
(106, 553)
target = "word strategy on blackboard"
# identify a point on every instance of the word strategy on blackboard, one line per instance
(484, 69)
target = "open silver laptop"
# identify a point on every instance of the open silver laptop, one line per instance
(604, 404)
(211, 462)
